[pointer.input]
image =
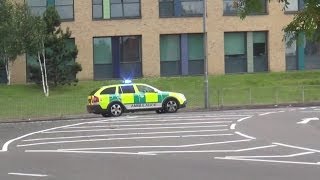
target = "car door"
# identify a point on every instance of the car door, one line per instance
(148, 96)
(128, 96)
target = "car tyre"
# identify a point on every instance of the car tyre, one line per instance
(115, 109)
(171, 106)
(105, 115)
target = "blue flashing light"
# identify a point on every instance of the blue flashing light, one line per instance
(127, 81)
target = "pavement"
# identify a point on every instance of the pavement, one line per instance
(280, 143)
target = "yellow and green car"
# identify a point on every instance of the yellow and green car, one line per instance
(113, 100)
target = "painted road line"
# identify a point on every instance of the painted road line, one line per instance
(87, 152)
(244, 135)
(242, 119)
(125, 129)
(134, 121)
(141, 125)
(124, 134)
(269, 161)
(128, 138)
(6, 145)
(307, 120)
(210, 151)
(30, 175)
(233, 126)
(145, 147)
(297, 147)
(267, 113)
(275, 156)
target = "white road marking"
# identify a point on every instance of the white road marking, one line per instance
(306, 120)
(88, 152)
(31, 175)
(244, 135)
(210, 151)
(233, 126)
(297, 147)
(134, 121)
(127, 138)
(302, 108)
(242, 119)
(275, 156)
(176, 146)
(141, 125)
(267, 113)
(270, 161)
(124, 134)
(170, 127)
(6, 145)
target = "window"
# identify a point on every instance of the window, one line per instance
(145, 89)
(64, 7)
(170, 54)
(113, 9)
(117, 57)
(230, 7)
(127, 89)
(176, 8)
(245, 52)
(110, 90)
(181, 54)
(294, 5)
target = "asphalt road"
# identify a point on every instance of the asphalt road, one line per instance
(264, 144)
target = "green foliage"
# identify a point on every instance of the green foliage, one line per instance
(305, 21)
(60, 55)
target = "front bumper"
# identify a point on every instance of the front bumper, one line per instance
(183, 105)
(95, 109)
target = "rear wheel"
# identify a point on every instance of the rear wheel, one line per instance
(171, 106)
(115, 109)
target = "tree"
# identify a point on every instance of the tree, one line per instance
(12, 17)
(57, 59)
(306, 21)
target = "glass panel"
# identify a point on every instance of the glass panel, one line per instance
(169, 47)
(130, 70)
(292, 6)
(169, 68)
(144, 89)
(192, 8)
(97, 11)
(196, 67)
(106, 9)
(116, 10)
(130, 49)
(260, 51)
(103, 71)
(102, 50)
(127, 89)
(228, 7)
(131, 10)
(166, 9)
(65, 12)
(97, 2)
(116, 1)
(312, 54)
(63, 2)
(130, 1)
(38, 11)
(111, 90)
(291, 56)
(234, 44)
(37, 2)
(195, 47)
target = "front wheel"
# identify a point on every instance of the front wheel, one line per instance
(115, 109)
(171, 106)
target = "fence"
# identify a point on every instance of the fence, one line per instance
(16, 107)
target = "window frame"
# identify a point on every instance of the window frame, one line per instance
(116, 18)
(181, 14)
(300, 7)
(265, 12)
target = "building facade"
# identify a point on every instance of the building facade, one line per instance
(152, 38)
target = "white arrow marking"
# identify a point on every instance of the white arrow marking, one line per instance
(306, 120)
(32, 175)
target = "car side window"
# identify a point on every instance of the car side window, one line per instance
(110, 90)
(144, 89)
(127, 89)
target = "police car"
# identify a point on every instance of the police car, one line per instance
(113, 100)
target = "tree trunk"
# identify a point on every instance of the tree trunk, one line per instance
(42, 75)
(45, 71)
(8, 70)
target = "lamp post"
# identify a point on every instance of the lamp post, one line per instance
(205, 55)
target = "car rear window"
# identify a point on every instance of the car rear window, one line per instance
(93, 92)
(110, 90)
